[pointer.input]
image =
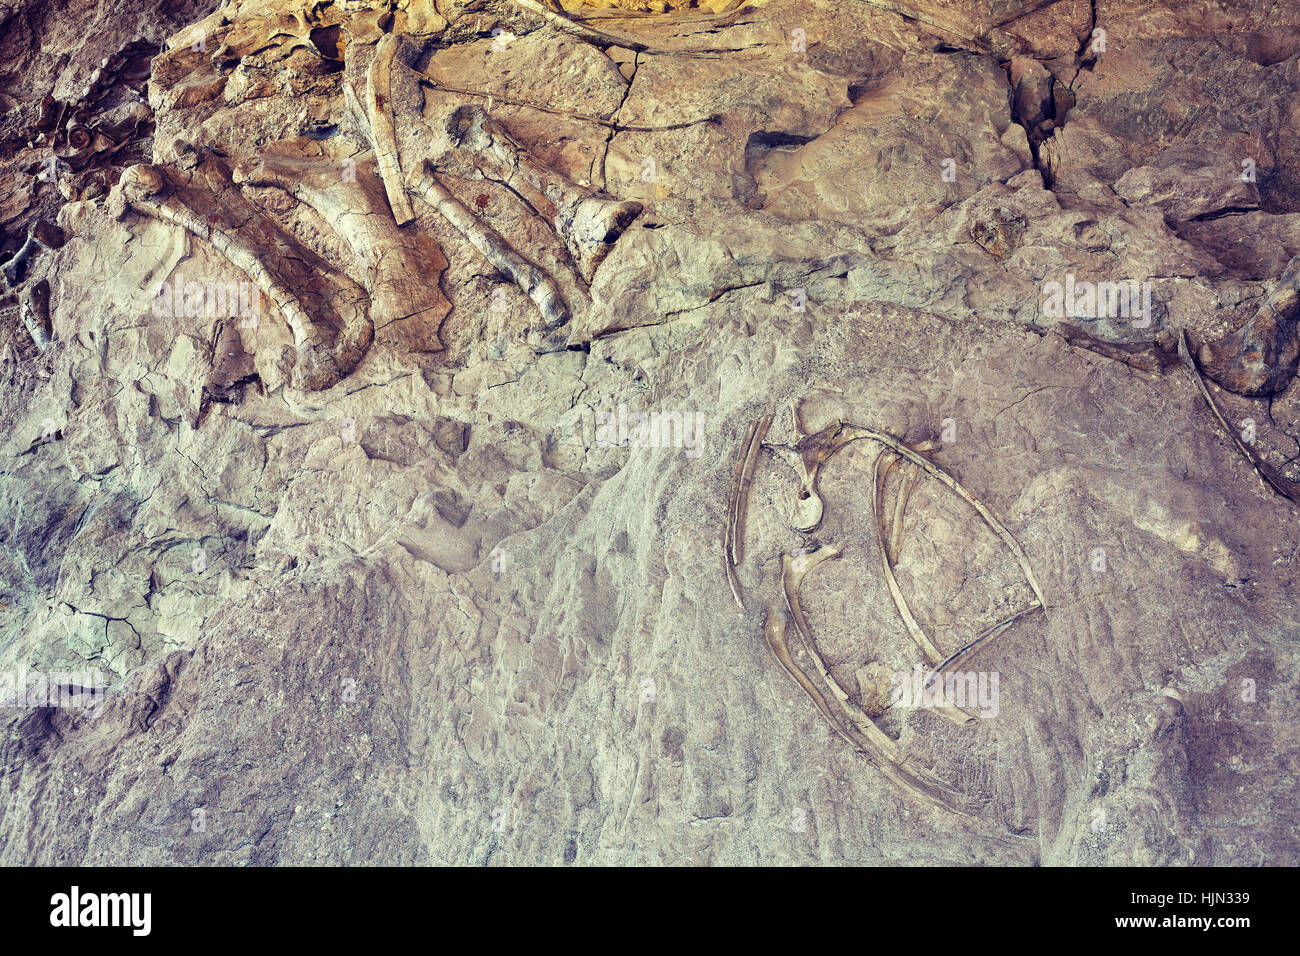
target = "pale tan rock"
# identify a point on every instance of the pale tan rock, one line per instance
(460, 574)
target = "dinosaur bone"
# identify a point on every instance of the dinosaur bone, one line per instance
(42, 237)
(535, 282)
(588, 223)
(376, 104)
(1263, 471)
(401, 266)
(1261, 357)
(932, 655)
(34, 308)
(865, 737)
(738, 503)
(325, 310)
(809, 452)
(793, 571)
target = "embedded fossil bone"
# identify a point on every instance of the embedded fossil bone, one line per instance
(34, 307)
(587, 222)
(401, 266)
(325, 310)
(806, 457)
(809, 452)
(930, 468)
(42, 237)
(531, 278)
(383, 138)
(1265, 474)
(910, 476)
(793, 571)
(867, 739)
(738, 502)
(1261, 357)
(932, 655)
(961, 654)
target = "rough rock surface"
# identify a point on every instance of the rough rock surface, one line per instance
(439, 610)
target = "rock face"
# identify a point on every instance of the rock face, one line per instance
(368, 497)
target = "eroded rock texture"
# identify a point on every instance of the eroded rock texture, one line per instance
(331, 332)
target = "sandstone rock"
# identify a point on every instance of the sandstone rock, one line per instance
(458, 594)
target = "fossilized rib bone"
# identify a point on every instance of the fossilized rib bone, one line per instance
(325, 310)
(910, 476)
(588, 223)
(964, 653)
(809, 452)
(535, 282)
(1265, 474)
(383, 137)
(793, 571)
(868, 739)
(738, 502)
(401, 266)
(932, 655)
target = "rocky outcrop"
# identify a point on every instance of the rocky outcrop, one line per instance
(375, 409)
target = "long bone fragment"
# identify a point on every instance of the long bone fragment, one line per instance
(982, 639)
(932, 655)
(866, 738)
(910, 475)
(401, 267)
(1265, 474)
(378, 112)
(34, 309)
(325, 310)
(535, 282)
(738, 502)
(586, 221)
(43, 237)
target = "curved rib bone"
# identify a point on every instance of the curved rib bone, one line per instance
(531, 278)
(868, 739)
(300, 283)
(738, 504)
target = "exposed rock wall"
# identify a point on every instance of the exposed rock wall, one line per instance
(365, 547)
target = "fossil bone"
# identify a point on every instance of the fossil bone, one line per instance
(325, 310)
(383, 138)
(793, 571)
(932, 655)
(738, 503)
(588, 223)
(34, 307)
(1262, 471)
(42, 237)
(940, 672)
(1261, 357)
(531, 278)
(868, 739)
(401, 266)
(809, 452)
